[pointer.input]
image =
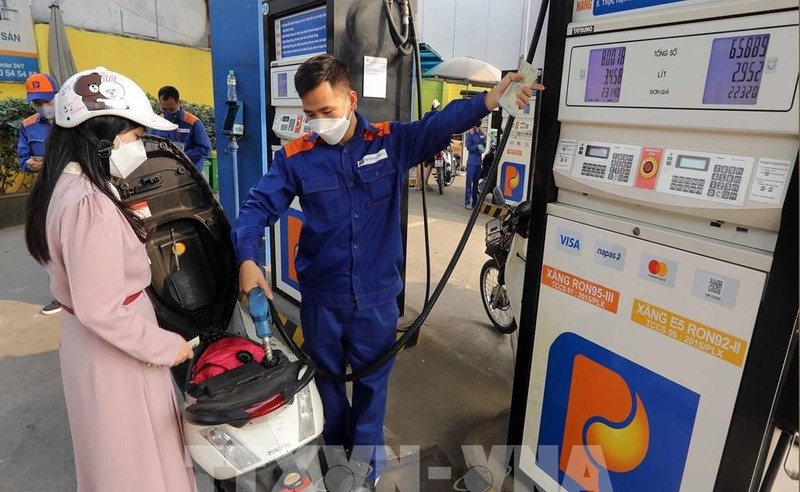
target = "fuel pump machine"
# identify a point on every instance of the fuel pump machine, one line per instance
(356, 31)
(661, 280)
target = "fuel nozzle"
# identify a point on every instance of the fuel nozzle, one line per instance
(259, 311)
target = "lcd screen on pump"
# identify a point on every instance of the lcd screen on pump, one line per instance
(692, 162)
(604, 76)
(595, 151)
(735, 69)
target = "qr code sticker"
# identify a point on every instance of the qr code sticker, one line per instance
(715, 286)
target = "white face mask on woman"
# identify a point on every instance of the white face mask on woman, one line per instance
(332, 130)
(126, 158)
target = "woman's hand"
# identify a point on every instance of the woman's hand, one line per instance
(185, 353)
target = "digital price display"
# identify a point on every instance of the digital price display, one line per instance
(604, 76)
(599, 152)
(735, 69)
(692, 162)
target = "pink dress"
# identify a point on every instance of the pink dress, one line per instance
(123, 413)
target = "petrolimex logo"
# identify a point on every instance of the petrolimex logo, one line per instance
(291, 225)
(569, 241)
(512, 179)
(659, 270)
(619, 427)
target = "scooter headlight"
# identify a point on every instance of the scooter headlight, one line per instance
(305, 410)
(233, 451)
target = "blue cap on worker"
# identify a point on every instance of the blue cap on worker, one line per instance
(41, 86)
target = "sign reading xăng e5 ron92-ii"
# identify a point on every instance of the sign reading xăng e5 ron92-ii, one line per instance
(18, 55)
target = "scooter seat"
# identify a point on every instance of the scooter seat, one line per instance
(225, 398)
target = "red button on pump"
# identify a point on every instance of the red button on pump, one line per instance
(648, 168)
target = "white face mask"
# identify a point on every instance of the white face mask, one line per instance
(126, 158)
(47, 111)
(332, 130)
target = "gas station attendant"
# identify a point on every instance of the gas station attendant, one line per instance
(349, 175)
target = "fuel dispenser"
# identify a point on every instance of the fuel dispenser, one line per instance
(358, 31)
(660, 287)
(514, 166)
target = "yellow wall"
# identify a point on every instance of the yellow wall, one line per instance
(453, 91)
(443, 91)
(431, 89)
(150, 64)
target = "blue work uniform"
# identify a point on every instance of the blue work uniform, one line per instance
(190, 136)
(473, 141)
(32, 135)
(350, 252)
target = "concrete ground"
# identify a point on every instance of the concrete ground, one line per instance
(456, 381)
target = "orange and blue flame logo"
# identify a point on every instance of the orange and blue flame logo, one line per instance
(291, 225)
(512, 178)
(618, 426)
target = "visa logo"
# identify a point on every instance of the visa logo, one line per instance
(570, 242)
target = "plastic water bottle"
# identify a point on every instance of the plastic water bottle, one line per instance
(259, 311)
(231, 86)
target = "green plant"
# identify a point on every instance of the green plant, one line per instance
(12, 112)
(202, 111)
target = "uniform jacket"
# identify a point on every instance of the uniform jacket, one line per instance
(350, 250)
(190, 136)
(32, 135)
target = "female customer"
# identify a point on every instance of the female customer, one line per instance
(115, 359)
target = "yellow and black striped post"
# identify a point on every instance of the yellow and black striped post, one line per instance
(493, 210)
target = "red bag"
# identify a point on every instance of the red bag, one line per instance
(225, 355)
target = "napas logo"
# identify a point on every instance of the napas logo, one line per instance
(619, 427)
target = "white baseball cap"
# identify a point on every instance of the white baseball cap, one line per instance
(435, 104)
(99, 92)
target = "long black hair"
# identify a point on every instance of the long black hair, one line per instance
(80, 144)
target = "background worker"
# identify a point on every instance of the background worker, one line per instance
(33, 132)
(191, 135)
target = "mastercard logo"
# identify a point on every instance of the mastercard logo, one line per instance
(658, 268)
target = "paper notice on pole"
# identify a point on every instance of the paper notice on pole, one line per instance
(770, 180)
(375, 77)
(508, 101)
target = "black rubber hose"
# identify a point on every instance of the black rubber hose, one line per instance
(415, 326)
(421, 173)
(400, 40)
